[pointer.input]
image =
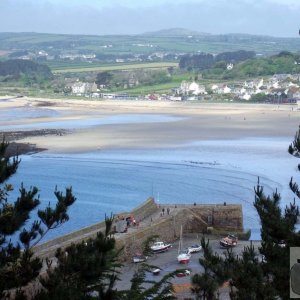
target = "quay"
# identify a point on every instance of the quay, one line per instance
(164, 220)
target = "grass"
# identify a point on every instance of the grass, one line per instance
(116, 67)
(160, 88)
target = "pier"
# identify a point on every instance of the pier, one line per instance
(164, 220)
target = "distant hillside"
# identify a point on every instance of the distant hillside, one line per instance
(175, 32)
(175, 41)
(14, 68)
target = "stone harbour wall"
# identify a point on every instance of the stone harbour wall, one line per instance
(195, 219)
(152, 221)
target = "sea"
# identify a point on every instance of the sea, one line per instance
(202, 172)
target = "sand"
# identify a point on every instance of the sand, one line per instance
(195, 122)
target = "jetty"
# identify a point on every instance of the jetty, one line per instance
(152, 218)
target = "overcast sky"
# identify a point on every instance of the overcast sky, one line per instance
(266, 17)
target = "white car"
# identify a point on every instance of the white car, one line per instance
(194, 248)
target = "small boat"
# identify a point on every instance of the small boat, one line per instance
(229, 241)
(156, 271)
(183, 273)
(195, 248)
(183, 257)
(159, 247)
(137, 258)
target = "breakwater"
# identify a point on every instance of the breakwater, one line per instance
(154, 219)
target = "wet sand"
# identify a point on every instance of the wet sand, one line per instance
(196, 122)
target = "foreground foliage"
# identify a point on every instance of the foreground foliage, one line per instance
(18, 267)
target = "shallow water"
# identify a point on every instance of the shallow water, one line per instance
(27, 112)
(82, 123)
(203, 172)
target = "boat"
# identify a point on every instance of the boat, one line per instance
(183, 273)
(195, 248)
(138, 258)
(183, 257)
(159, 247)
(229, 241)
(156, 271)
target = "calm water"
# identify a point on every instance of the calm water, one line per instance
(76, 123)
(202, 172)
(29, 112)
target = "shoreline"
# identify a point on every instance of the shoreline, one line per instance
(19, 148)
(196, 122)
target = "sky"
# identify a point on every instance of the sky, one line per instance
(102, 17)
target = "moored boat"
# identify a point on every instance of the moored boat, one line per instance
(183, 273)
(137, 258)
(156, 271)
(159, 247)
(183, 257)
(229, 241)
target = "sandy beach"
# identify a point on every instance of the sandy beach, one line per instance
(192, 122)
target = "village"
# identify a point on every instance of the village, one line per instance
(280, 88)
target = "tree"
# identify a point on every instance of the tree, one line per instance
(32, 70)
(196, 62)
(260, 97)
(89, 270)
(158, 290)
(18, 267)
(235, 56)
(103, 78)
(85, 269)
(278, 233)
(294, 148)
(206, 284)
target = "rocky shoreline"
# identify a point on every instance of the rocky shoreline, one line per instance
(19, 148)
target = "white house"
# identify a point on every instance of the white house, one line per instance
(246, 96)
(226, 90)
(192, 88)
(78, 88)
(229, 66)
(214, 87)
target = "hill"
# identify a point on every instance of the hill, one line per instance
(175, 32)
(165, 41)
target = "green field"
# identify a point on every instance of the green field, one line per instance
(160, 88)
(115, 67)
